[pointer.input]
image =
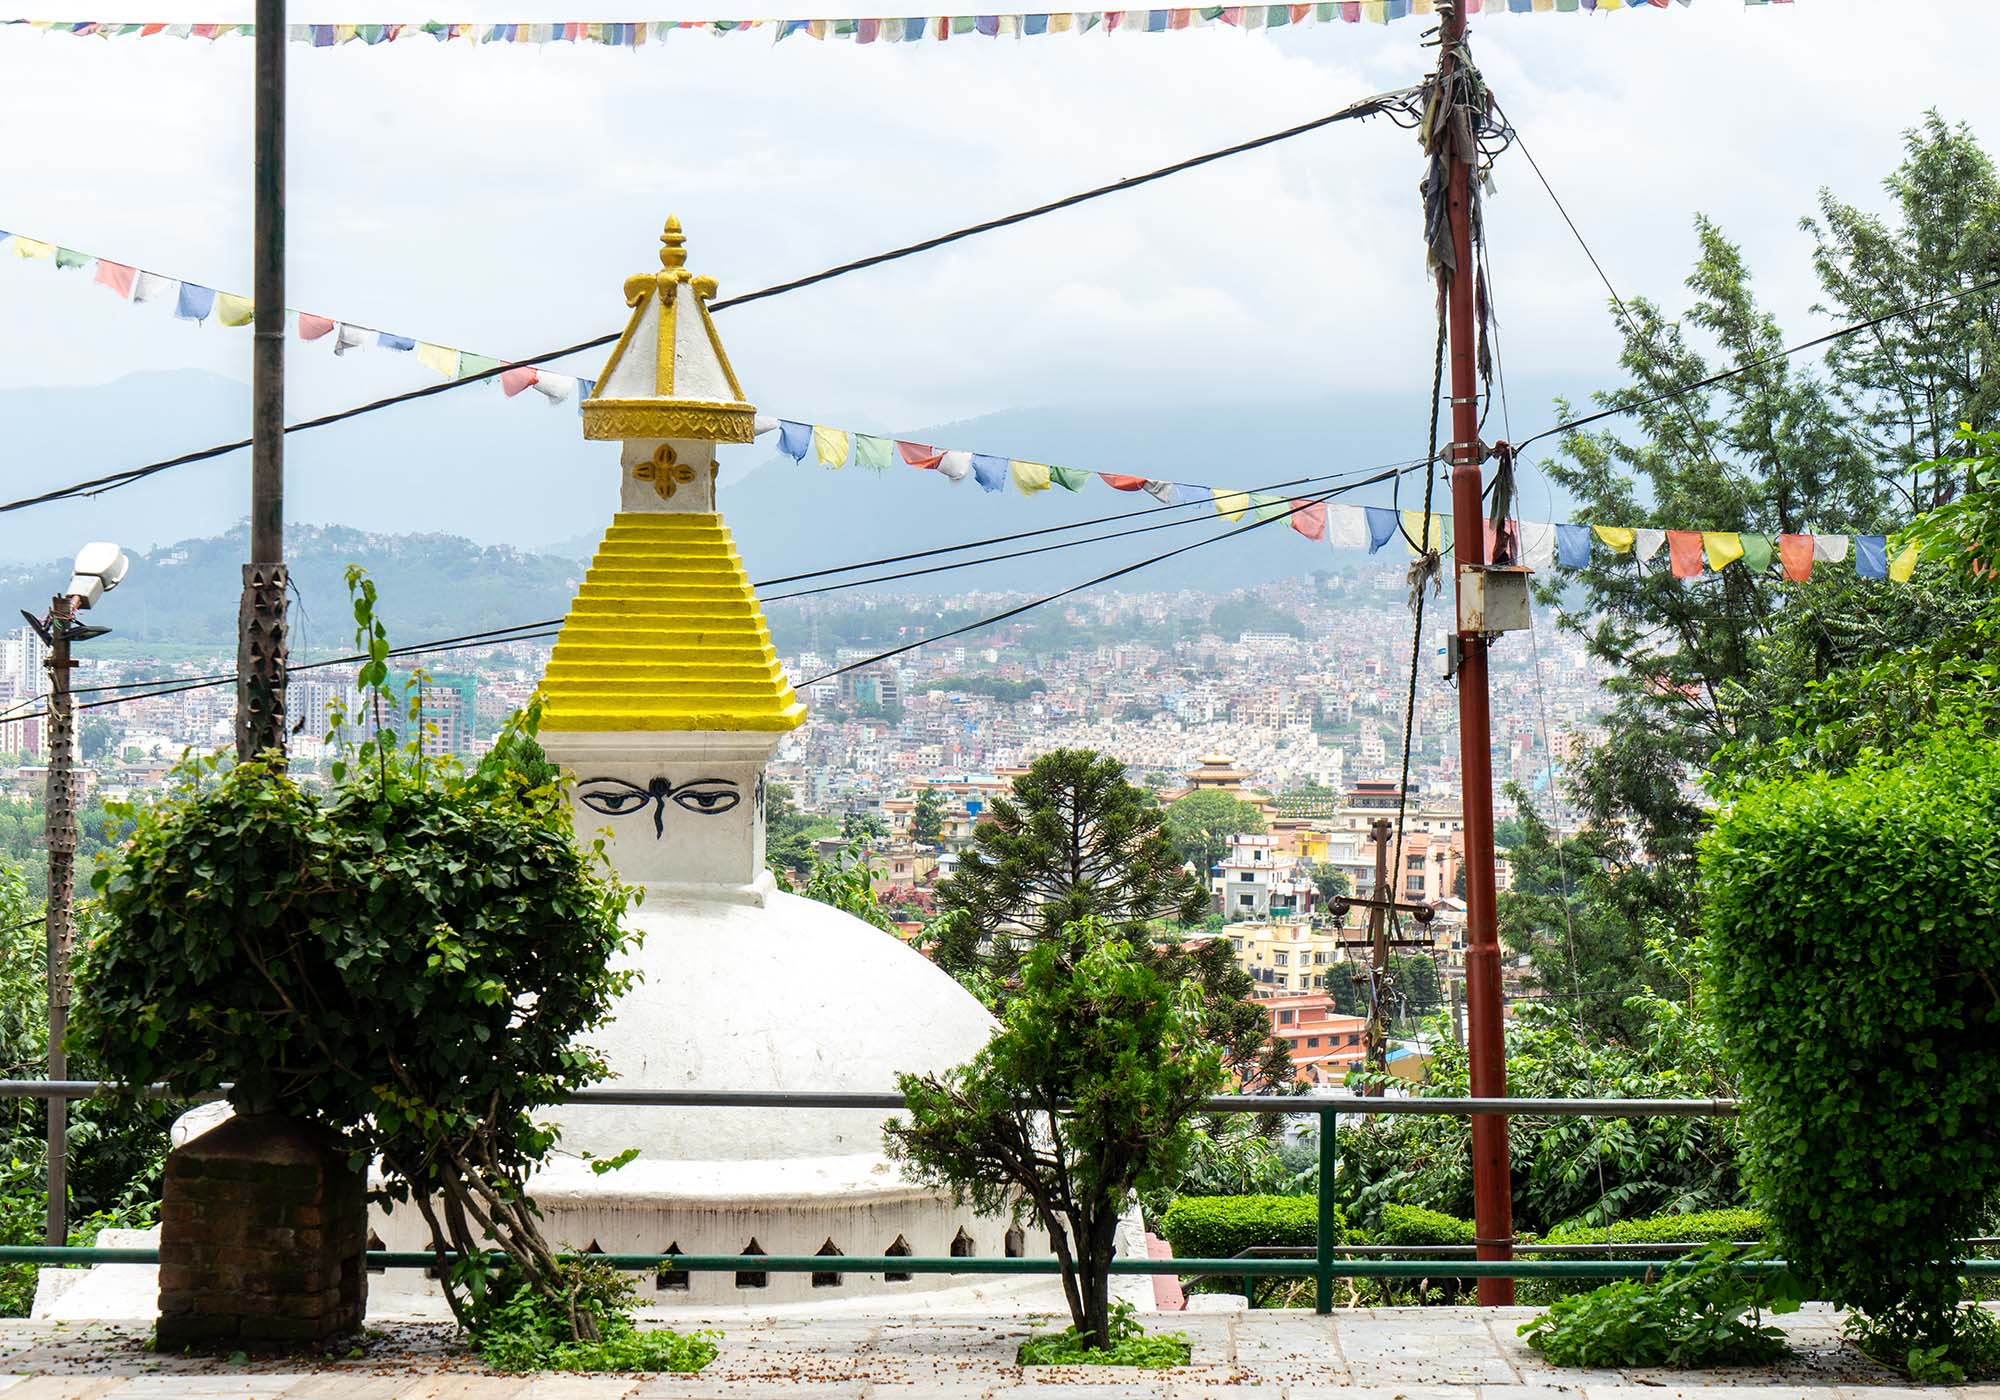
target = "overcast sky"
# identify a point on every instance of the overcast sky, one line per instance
(494, 198)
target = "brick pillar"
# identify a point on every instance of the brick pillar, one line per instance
(263, 1238)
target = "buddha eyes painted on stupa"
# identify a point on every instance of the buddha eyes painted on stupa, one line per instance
(615, 797)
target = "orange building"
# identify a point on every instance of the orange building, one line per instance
(1325, 1044)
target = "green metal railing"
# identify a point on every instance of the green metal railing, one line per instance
(1330, 1260)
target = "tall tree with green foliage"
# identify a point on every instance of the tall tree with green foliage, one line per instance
(927, 822)
(1201, 824)
(1084, 1098)
(1911, 381)
(1073, 840)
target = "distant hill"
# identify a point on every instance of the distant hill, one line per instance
(520, 494)
(431, 586)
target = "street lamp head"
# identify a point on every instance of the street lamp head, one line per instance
(98, 569)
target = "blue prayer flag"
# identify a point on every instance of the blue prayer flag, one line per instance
(1871, 556)
(583, 388)
(322, 36)
(1573, 546)
(991, 471)
(195, 302)
(394, 342)
(989, 25)
(1382, 527)
(794, 439)
(1036, 24)
(1192, 495)
(913, 28)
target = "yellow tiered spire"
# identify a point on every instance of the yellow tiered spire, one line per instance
(666, 633)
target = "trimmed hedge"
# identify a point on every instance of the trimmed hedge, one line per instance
(1220, 1227)
(1413, 1225)
(1699, 1227)
(1853, 950)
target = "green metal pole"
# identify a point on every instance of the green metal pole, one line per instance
(1324, 1232)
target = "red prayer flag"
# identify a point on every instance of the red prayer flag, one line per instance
(921, 457)
(513, 381)
(116, 276)
(1309, 520)
(1684, 552)
(205, 31)
(1123, 483)
(313, 327)
(146, 31)
(1795, 552)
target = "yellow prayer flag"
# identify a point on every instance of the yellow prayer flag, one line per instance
(1904, 564)
(343, 33)
(233, 310)
(830, 446)
(1230, 505)
(441, 358)
(1616, 538)
(1432, 536)
(1721, 547)
(1059, 24)
(33, 247)
(1029, 477)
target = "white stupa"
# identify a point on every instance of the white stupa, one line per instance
(664, 702)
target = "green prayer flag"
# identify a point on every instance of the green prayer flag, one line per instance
(470, 364)
(1267, 507)
(844, 27)
(1069, 478)
(69, 257)
(1277, 15)
(963, 24)
(871, 452)
(1756, 552)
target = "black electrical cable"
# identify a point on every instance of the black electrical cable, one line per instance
(1367, 107)
(501, 635)
(1668, 395)
(1019, 553)
(1296, 507)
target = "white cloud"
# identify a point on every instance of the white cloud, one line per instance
(495, 197)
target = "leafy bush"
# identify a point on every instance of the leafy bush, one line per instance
(1968, 1351)
(1414, 1225)
(527, 1332)
(1221, 1227)
(1855, 951)
(1130, 1346)
(1700, 1227)
(408, 958)
(1688, 1317)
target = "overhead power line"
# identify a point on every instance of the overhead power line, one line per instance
(1668, 395)
(1295, 508)
(1379, 104)
(498, 636)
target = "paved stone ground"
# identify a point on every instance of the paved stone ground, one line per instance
(1389, 1354)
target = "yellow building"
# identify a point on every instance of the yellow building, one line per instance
(1286, 956)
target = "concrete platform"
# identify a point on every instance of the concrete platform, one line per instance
(1386, 1354)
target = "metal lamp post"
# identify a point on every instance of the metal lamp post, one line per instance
(98, 569)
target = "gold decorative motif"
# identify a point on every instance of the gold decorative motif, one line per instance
(665, 470)
(605, 419)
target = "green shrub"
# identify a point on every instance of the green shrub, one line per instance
(1700, 1227)
(527, 1331)
(1221, 1227)
(1969, 1349)
(1413, 1225)
(1854, 941)
(1130, 1346)
(1688, 1317)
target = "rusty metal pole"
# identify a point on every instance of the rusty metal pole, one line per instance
(1492, 1191)
(60, 815)
(260, 647)
(1378, 951)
